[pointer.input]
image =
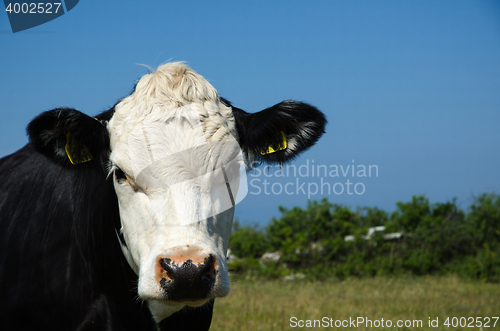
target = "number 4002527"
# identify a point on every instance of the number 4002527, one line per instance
(33, 8)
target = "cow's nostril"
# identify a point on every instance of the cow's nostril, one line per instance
(187, 280)
(165, 264)
(208, 263)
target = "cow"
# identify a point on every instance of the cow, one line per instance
(122, 221)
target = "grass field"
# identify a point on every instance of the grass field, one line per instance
(271, 305)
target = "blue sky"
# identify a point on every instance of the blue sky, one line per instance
(411, 87)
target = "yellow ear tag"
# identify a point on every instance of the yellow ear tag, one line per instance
(76, 156)
(276, 148)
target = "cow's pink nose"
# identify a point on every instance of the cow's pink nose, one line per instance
(187, 280)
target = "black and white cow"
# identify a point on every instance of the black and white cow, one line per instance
(122, 221)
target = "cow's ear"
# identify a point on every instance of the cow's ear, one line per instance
(279, 133)
(68, 136)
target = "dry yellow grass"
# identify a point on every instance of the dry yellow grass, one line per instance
(270, 305)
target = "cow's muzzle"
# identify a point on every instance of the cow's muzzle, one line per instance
(187, 280)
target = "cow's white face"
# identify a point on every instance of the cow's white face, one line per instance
(177, 167)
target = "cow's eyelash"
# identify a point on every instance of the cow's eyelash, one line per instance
(110, 169)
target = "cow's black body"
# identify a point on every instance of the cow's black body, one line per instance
(61, 265)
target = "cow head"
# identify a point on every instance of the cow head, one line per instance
(177, 154)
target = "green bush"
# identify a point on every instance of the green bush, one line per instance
(437, 238)
(248, 241)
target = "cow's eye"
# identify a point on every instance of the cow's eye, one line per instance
(120, 175)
